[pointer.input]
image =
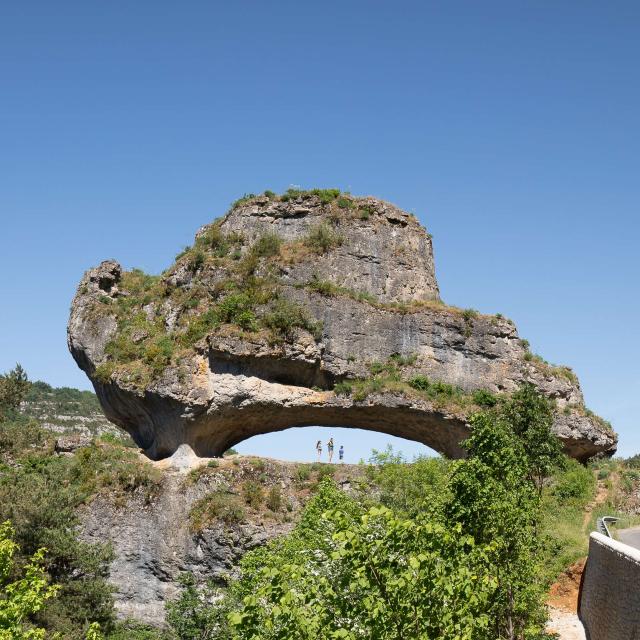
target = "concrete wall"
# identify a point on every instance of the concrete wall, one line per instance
(610, 594)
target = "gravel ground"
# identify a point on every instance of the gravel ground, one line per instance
(565, 624)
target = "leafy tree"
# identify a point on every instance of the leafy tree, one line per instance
(22, 597)
(409, 489)
(385, 578)
(529, 414)
(13, 389)
(496, 496)
(40, 498)
(194, 615)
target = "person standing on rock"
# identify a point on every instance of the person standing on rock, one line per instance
(341, 453)
(319, 449)
(330, 449)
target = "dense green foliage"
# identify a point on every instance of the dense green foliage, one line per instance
(458, 550)
(13, 390)
(453, 552)
(39, 495)
(24, 595)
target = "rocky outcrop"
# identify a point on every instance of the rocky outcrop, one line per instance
(204, 355)
(154, 541)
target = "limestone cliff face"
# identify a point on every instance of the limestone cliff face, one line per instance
(300, 310)
(155, 541)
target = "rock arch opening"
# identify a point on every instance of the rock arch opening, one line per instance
(297, 444)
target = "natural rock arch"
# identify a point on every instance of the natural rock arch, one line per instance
(279, 310)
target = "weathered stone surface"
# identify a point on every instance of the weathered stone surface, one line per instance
(236, 384)
(153, 541)
(69, 443)
(388, 255)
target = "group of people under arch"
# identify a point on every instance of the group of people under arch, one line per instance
(329, 450)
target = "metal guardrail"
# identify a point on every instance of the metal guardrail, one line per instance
(601, 525)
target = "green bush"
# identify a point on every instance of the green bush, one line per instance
(274, 499)
(484, 398)
(285, 316)
(323, 238)
(343, 388)
(14, 387)
(114, 469)
(199, 613)
(345, 203)
(41, 498)
(326, 195)
(633, 462)
(302, 473)
(403, 360)
(420, 382)
(324, 287)
(365, 212)
(253, 494)
(243, 200)
(196, 260)
(267, 245)
(575, 482)
(237, 308)
(218, 505)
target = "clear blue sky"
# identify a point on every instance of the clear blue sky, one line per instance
(509, 128)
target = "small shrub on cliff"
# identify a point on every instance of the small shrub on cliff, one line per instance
(114, 469)
(267, 245)
(196, 260)
(345, 203)
(326, 195)
(323, 238)
(218, 505)
(484, 398)
(324, 287)
(243, 200)
(274, 499)
(302, 473)
(285, 316)
(253, 494)
(419, 382)
(237, 309)
(343, 388)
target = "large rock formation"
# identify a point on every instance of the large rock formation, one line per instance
(304, 309)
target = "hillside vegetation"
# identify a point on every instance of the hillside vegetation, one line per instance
(428, 549)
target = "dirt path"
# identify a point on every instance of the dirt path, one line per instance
(601, 496)
(563, 595)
